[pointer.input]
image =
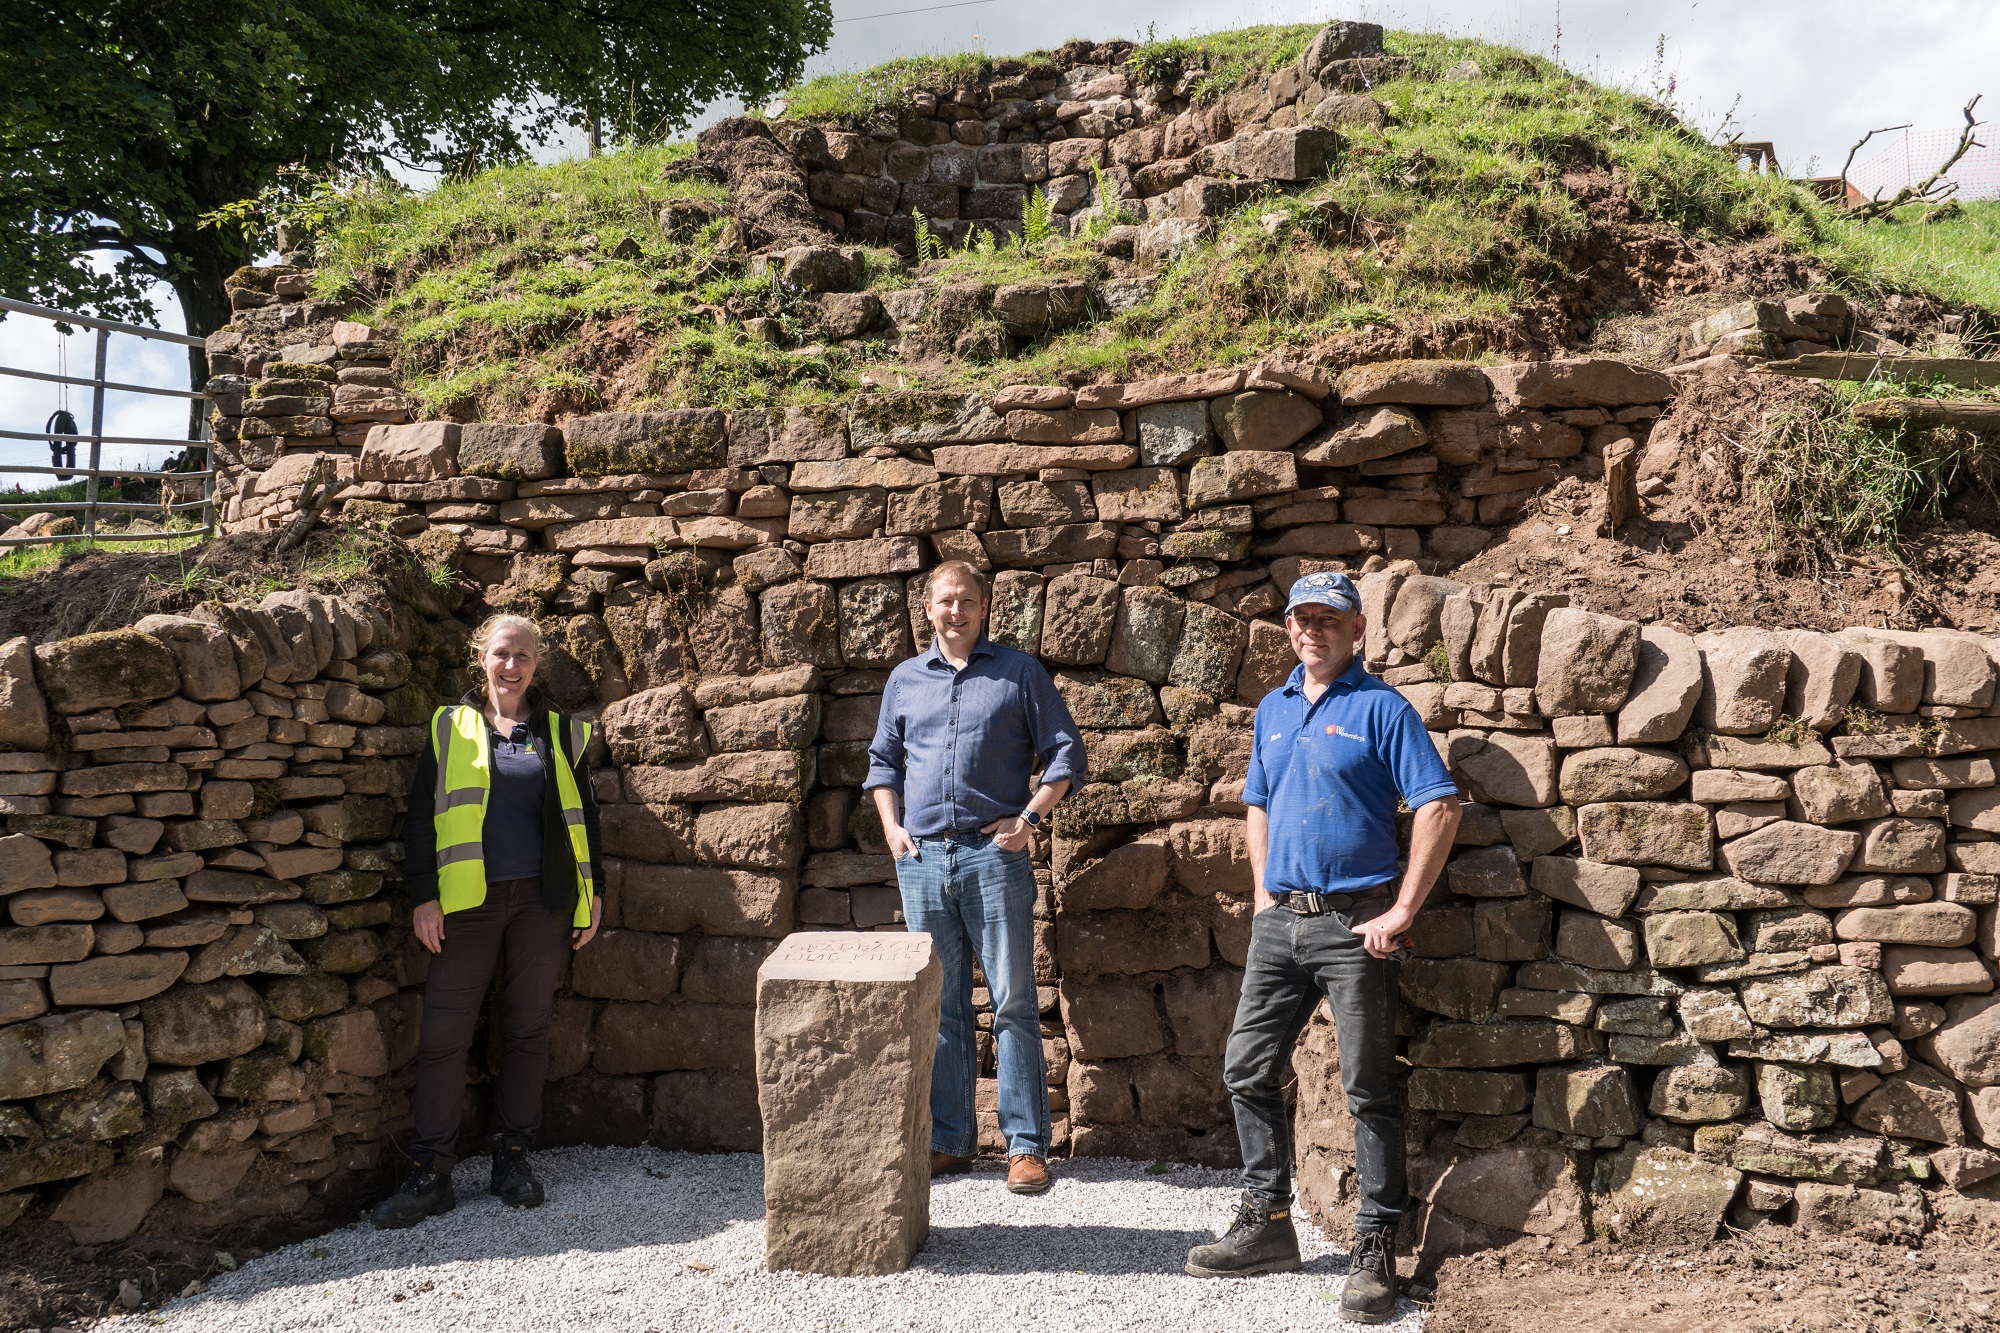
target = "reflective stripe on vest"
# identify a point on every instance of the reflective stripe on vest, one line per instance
(464, 764)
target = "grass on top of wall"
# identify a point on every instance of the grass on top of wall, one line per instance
(524, 289)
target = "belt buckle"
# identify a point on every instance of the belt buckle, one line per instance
(1308, 902)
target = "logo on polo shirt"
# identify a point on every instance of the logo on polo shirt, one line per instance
(1334, 729)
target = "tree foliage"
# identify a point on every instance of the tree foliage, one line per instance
(128, 121)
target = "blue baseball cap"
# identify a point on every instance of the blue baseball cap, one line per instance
(1330, 588)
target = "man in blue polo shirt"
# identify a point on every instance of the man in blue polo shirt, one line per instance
(1335, 748)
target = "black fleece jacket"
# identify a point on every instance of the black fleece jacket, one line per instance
(559, 886)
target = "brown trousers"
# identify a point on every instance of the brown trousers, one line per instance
(512, 933)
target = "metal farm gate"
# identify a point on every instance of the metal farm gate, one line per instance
(181, 491)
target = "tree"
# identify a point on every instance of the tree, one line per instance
(127, 121)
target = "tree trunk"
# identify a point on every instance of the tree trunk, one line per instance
(205, 308)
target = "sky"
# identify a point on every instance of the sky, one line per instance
(1810, 76)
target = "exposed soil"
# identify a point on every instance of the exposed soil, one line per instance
(1753, 1281)
(1709, 552)
(46, 1281)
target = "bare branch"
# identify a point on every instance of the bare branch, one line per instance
(1886, 129)
(1933, 189)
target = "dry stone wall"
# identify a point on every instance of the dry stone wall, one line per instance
(206, 1017)
(1720, 930)
(1082, 125)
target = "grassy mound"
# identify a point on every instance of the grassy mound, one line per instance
(549, 289)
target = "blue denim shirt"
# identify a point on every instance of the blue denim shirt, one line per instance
(958, 745)
(1327, 774)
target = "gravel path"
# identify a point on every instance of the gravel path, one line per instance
(642, 1241)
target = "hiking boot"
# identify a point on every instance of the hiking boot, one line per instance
(514, 1182)
(949, 1164)
(1260, 1240)
(425, 1193)
(1370, 1294)
(1027, 1174)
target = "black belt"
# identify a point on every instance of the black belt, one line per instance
(1307, 903)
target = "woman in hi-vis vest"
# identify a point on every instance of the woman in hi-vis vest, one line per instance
(504, 864)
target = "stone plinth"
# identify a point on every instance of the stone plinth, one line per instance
(847, 1028)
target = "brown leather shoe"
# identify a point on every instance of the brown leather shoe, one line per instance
(1027, 1174)
(948, 1164)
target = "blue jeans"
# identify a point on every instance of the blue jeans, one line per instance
(977, 900)
(1293, 961)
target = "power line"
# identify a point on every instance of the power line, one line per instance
(897, 13)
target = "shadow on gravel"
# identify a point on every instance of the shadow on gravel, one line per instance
(1002, 1247)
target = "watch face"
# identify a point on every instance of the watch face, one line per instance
(1033, 817)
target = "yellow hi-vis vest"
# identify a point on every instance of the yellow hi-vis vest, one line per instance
(465, 777)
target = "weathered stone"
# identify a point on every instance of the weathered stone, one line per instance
(105, 670)
(1467, 1091)
(110, 1206)
(1967, 1045)
(116, 980)
(1488, 872)
(24, 712)
(1689, 939)
(56, 1053)
(1511, 929)
(1146, 634)
(1787, 852)
(508, 451)
(1377, 432)
(1891, 846)
(654, 726)
(1647, 833)
(1744, 672)
(1486, 1045)
(1589, 1100)
(1263, 419)
(1586, 662)
(1822, 679)
(1868, 1214)
(1761, 755)
(1242, 475)
(1461, 988)
(1838, 793)
(1017, 610)
(1918, 1103)
(1912, 970)
(1820, 997)
(1139, 495)
(612, 444)
(800, 624)
(1419, 383)
(1079, 614)
(1661, 1196)
(1939, 925)
(1797, 1097)
(1516, 1187)
(1700, 1094)
(204, 653)
(193, 1025)
(1605, 889)
(676, 899)
(1506, 768)
(846, 1034)
(1666, 686)
(1616, 774)
(1590, 940)
(1209, 652)
(1576, 382)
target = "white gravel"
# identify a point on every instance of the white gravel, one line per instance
(643, 1241)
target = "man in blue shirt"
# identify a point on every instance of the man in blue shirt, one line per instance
(1334, 749)
(962, 728)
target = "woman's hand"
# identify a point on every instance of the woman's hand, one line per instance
(589, 933)
(428, 923)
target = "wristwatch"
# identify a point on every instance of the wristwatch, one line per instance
(1032, 818)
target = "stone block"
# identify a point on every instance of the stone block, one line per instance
(1647, 833)
(1614, 773)
(1788, 852)
(108, 669)
(1594, 1101)
(1576, 382)
(509, 452)
(1663, 1197)
(1819, 997)
(420, 451)
(1837, 793)
(1744, 675)
(1700, 1094)
(846, 1034)
(1173, 434)
(1586, 662)
(1079, 615)
(1417, 383)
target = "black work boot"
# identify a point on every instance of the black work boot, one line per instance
(514, 1182)
(1260, 1240)
(425, 1193)
(1370, 1294)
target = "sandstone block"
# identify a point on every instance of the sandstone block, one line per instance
(1419, 383)
(24, 712)
(1241, 475)
(1586, 662)
(1363, 437)
(1506, 768)
(1913, 970)
(1605, 889)
(1590, 1100)
(1666, 685)
(56, 1053)
(846, 1033)
(1822, 679)
(1820, 997)
(1617, 774)
(1578, 382)
(1937, 925)
(1787, 852)
(1263, 419)
(420, 451)
(1689, 939)
(1079, 615)
(1918, 1103)
(1700, 1094)
(611, 444)
(1838, 793)
(1647, 833)
(654, 726)
(106, 670)
(1661, 1196)
(1744, 674)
